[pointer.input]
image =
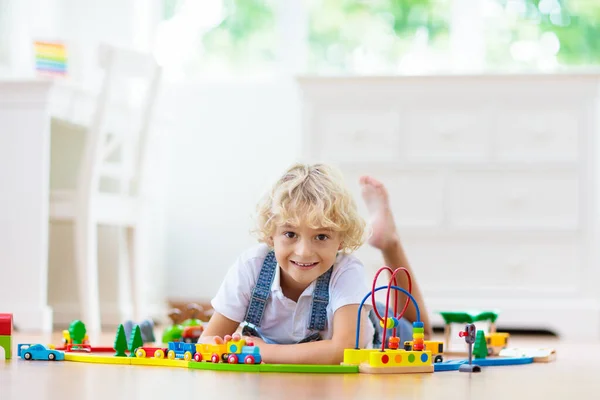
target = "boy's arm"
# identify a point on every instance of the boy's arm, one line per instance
(321, 352)
(219, 325)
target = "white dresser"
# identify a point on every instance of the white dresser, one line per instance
(493, 182)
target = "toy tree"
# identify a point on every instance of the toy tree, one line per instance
(120, 342)
(77, 331)
(135, 340)
(480, 350)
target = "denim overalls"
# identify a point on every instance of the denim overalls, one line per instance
(262, 290)
(318, 313)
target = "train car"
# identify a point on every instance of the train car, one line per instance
(435, 347)
(239, 351)
(156, 352)
(233, 352)
(211, 352)
(496, 342)
(181, 350)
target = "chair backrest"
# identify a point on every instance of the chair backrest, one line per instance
(117, 137)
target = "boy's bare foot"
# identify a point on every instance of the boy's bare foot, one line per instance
(382, 221)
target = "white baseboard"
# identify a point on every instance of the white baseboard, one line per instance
(568, 318)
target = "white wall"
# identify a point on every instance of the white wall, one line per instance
(229, 143)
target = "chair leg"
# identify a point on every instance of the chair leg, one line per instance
(135, 273)
(86, 249)
(126, 306)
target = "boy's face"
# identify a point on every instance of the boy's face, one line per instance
(304, 253)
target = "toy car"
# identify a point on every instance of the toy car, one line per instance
(39, 352)
(192, 333)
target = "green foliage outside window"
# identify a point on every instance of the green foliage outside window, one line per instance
(378, 36)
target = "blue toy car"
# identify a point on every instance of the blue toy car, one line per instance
(39, 352)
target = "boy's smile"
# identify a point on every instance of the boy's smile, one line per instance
(303, 254)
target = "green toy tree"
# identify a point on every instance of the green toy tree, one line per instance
(77, 331)
(135, 340)
(480, 349)
(120, 342)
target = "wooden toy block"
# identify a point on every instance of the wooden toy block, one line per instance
(224, 367)
(85, 358)
(315, 369)
(6, 324)
(367, 369)
(6, 343)
(158, 362)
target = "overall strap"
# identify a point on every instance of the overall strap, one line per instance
(318, 314)
(262, 290)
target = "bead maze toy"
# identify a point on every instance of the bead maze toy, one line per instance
(391, 360)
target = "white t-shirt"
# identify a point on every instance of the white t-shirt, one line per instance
(285, 321)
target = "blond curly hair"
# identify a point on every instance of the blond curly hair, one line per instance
(316, 195)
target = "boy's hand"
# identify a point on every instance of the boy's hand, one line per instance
(256, 341)
(218, 339)
(227, 338)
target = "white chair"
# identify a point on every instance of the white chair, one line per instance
(109, 185)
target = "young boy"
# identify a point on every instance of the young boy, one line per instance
(298, 292)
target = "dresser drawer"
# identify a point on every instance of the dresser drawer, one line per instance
(354, 136)
(495, 262)
(514, 199)
(537, 135)
(416, 196)
(446, 135)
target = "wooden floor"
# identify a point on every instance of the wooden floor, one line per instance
(575, 375)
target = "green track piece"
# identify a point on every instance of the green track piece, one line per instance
(315, 369)
(208, 366)
(463, 317)
(295, 368)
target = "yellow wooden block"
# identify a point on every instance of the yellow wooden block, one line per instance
(357, 356)
(159, 362)
(87, 358)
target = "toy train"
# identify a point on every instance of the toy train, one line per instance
(435, 347)
(232, 352)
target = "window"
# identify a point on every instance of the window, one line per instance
(218, 37)
(380, 36)
(244, 37)
(542, 34)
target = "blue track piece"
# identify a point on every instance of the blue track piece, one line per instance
(454, 365)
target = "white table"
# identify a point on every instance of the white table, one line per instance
(24, 197)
